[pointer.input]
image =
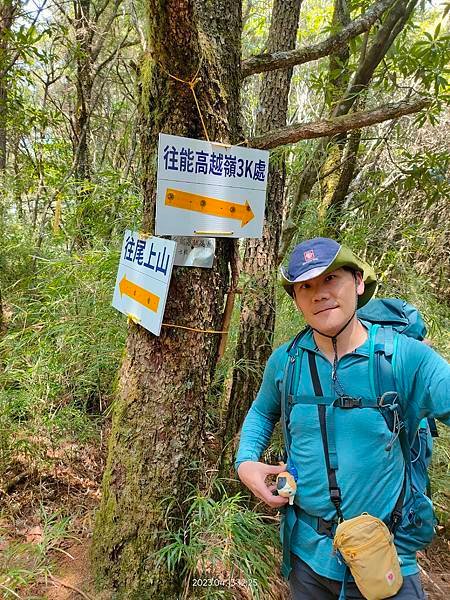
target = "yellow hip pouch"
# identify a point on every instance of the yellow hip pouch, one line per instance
(367, 547)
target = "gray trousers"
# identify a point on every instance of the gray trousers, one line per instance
(305, 584)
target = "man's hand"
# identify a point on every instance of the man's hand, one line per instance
(254, 474)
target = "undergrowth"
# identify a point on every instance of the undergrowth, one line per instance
(222, 545)
(61, 351)
(58, 363)
(25, 563)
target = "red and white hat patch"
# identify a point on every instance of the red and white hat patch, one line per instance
(309, 256)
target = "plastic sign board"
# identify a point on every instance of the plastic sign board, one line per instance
(195, 252)
(211, 190)
(143, 279)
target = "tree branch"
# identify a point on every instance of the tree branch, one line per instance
(300, 56)
(114, 54)
(392, 25)
(99, 10)
(335, 125)
(96, 49)
(63, 11)
(340, 191)
(5, 70)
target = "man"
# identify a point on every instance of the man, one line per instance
(328, 283)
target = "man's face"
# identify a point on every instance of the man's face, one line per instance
(328, 301)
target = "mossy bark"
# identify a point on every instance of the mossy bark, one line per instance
(260, 259)
(84, 28)
(338, 78)
(8, 9)
(156, 444)
(372, 53)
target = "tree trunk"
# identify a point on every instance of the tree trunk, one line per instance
(2, 321)
(371, 56)
(83, 37)
(335, 206)
(7, 12)
(156, 443)
(259, 265)
(81, 118)
(3, 118)
(338, 76)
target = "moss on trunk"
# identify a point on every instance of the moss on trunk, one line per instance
(260, 260)
(156, 444)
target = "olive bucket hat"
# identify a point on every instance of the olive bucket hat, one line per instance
(321, 255)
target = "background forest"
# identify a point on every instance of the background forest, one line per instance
(74, 172)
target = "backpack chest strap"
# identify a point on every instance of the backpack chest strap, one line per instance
(345, 402)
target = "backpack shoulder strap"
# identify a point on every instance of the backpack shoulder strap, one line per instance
(328, 439)
(380, 362)
(382, 352)
(290, 516)
(382, 366)
(381, 373)
(287, 389)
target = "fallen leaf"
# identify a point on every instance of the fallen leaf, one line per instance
(34, 535)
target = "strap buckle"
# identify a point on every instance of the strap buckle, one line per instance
(325, 527)
(347, 402)
(335, 495)
(395, 519)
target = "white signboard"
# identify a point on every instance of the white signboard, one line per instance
(195, 252)
(143, 279)
(210, 190)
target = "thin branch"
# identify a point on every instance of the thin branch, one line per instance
(300, 56)
(335, 125)
(49, 97)
(16, 56)
(57, 582)
(4, 587)
(106, 30)
(127, 92)
(323, 176)
(63, 11)
(428, 578)
(82, 135)
(100, 10)
(123, 44)
(401, 169)
(137, 24)
(391, 27)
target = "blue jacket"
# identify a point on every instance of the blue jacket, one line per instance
(370, 477)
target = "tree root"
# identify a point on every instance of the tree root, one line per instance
(70, 587)
(433, 583)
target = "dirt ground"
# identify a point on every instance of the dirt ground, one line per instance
(74, 581)
(71, 487)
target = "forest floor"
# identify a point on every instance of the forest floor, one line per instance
(70, 487)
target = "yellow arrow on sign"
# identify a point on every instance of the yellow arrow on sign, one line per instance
(209, 206)
(144, 297)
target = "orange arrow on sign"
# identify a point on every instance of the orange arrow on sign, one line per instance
(209, 206)
(144, 297)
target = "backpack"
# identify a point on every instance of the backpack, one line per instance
(405, 319)
(413, 524)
